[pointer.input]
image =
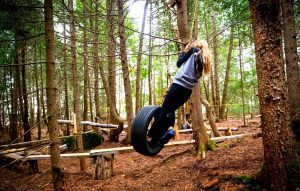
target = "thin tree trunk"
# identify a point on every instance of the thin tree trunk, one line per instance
(25, 116)
(211, 117)
(96, 61)
(111, 89)
(14, 101)
(138, 64)
(150, 55)
(216, 63)
(291, 57)
(225, 89)
(125, 70)
(76, 88)
(67, 109)
(242, 79)
(85, 68)
(90, 100)
(281, 161)
(57, 173)
(42, 94)
(37, 94)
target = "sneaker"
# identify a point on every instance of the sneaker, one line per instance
(167, 136)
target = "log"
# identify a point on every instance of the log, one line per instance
(25, 144)
(61, 121)
(66, 155)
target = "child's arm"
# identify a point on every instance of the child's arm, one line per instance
(185, 56)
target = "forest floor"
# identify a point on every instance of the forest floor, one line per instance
(229, 167)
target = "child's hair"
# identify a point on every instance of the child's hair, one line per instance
(202, 44)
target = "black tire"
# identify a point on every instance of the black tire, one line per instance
(139, 130)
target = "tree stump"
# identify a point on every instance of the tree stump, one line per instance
(104, 167)
(32, 167)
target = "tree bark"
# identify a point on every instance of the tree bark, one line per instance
(125, 70)
(183, 22)
(200, 134)
(75, 87)
(104, 167)
(282, 167)
(57, 174)
(291, 57)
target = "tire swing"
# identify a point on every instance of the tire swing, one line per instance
(139, 131)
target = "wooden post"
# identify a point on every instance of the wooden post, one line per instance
(104, 167)
(75, 123)
(176, 129)
(228, 132)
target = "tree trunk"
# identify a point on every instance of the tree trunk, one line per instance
(67, 110)
(36, 76)
(200, 134)
(196, 110)
(211, 117)
(138, 64)
(90, 100)
(57, 174)
(95, 29)
(216, 63)
(125, 70)
(150, 56)
(183, 22)
(242, 79)
(25, 116)
(282, 168)
(14, 101)
(85, 68)
(225, 89)
(76, 88)
(291, 57)
(111, 88)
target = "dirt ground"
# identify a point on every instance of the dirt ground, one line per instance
(228, 167)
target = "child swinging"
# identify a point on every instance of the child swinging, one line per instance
(194, 61)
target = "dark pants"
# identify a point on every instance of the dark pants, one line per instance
(176, 97)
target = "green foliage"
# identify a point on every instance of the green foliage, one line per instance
(211, 145)
(252, 185)
(70, 142)
(90, 140)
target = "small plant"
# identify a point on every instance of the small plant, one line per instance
(90, 140)
(70, 142)
(250, 182)
(211, 145)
